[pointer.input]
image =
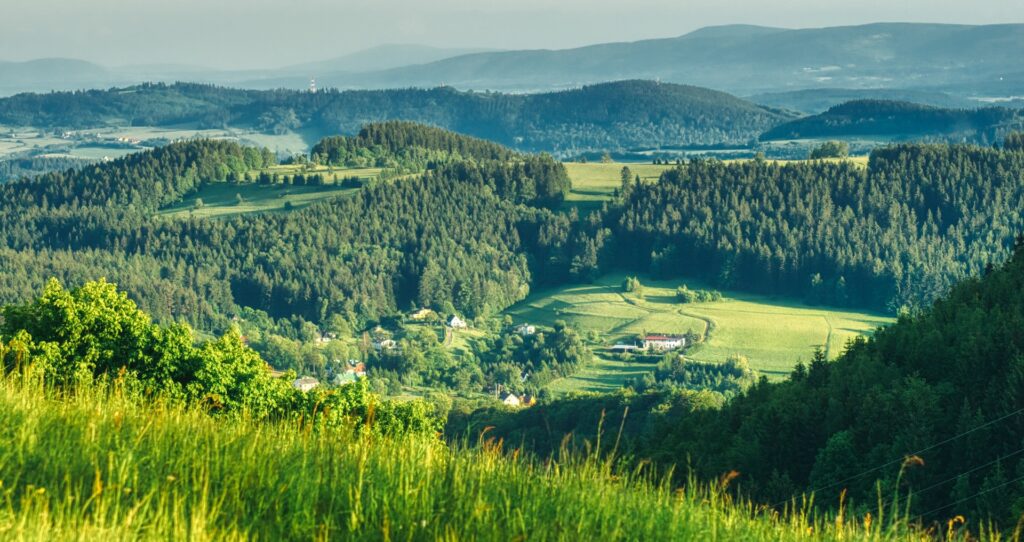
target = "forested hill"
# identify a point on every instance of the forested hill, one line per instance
(896, 235)
(608, 116)
(471, 234)
(902, 119)
(931, 407)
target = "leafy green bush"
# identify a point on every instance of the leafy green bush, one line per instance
(686, 295)
(95, 333)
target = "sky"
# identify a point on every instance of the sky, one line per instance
(243, 34)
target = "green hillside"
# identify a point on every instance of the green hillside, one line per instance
(102, 466)
(904, 120)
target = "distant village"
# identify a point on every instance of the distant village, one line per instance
(381, 340)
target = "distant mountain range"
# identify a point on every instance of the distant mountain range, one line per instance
(750, 59)
(959, 60)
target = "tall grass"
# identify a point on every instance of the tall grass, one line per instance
(100, 466)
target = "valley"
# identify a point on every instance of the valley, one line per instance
(739, 282)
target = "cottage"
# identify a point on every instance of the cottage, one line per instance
(512, 400)
(525, 330)
(305, 383)
(664, 342)
(355, 367)
(457, 323)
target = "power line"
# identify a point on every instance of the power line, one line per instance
(900, 460)
(978, 494)
(954, 478)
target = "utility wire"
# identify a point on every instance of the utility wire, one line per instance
(900, 460)
(978, 494)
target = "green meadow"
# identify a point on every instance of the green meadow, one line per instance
(596, 182)
(110, 465)
(221, 198)
(773, 333)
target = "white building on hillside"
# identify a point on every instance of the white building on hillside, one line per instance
(664, 342)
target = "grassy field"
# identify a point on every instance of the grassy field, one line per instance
(603, 375)
(221, 199)
(93, 466)
(773, 333)
(595, 182)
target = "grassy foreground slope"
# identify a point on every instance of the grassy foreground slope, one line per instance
(98, 466)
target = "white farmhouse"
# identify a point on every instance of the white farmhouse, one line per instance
(664, 343)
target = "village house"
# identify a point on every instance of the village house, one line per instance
(326, 338)
(457, 323)
(525, 330)
(514, 400)
(664, 343)
(305, 383)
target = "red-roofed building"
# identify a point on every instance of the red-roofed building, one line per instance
(664, 342)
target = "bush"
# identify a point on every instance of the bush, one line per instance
(686, 295)
(831, 149)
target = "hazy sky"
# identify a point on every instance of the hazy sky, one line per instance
(261, 33)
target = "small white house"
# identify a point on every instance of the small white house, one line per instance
(457, 323)
(512, 400)
(305, 383)
(664, 342)
(525, 330)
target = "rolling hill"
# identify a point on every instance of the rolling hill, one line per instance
(901, 120)
(53, 73)
(609, 116)
(818, 100)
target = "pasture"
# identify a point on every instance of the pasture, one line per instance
(773, 333)
(603, 375)
(596, 182)
(221, 199)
